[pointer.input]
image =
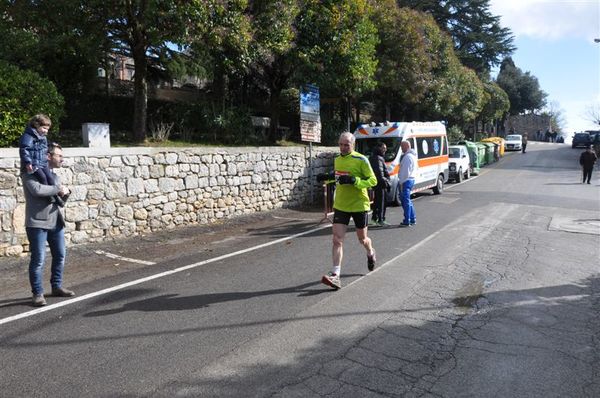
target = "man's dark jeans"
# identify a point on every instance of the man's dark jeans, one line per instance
(37, 241)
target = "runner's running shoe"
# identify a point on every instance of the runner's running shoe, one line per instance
(371, 261)
(332, 280)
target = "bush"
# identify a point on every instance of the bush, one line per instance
(331, 130)
(455, 134)
(23, 94)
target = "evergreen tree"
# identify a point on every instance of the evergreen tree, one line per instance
(479, 40)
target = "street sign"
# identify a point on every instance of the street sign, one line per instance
(310, 119)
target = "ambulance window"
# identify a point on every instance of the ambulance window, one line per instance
(365, 146)
(428, 147)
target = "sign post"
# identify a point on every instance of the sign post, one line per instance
(310, 123)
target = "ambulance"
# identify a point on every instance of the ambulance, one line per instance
(427, 138)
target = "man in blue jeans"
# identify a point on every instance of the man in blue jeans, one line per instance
(44, 222)
(406, 177)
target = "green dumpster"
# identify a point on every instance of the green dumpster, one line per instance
(481, 151)
(473, 156)
(490, 148)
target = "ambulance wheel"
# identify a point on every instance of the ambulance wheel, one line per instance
(468, 174)
(439, 186)
(459, 176)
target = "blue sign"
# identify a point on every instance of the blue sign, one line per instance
(310, 100)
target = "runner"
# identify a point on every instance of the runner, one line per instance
(354, 176)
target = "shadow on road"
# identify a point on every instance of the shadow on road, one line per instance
(171, 302)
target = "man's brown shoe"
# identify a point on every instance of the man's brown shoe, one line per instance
(62, 292)
(38, 300)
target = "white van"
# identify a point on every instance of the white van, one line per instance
(427, 138)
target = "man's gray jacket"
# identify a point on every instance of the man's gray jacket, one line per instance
(39, 212)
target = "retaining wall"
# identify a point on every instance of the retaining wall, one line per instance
(120, 192)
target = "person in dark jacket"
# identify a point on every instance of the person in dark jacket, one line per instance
(587, 160)
(33, 151)
(383, 183)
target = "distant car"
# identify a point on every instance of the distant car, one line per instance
(581, 140)
(459, 162)
(514, 142)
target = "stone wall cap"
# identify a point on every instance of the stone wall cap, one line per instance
(118, 151)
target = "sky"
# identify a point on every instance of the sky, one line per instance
(555, 43)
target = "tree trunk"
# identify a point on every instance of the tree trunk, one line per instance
(274, 110)
(348, 112)
(140, 94)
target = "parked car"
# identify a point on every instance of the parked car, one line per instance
(581, 140)
(459, 162)
(513, 142)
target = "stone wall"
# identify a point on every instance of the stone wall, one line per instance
(120, 192)
(527, 124)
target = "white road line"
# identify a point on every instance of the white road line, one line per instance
(152, 277)
(295, 219)
(409, 250)
(117, 257)
(184, 268)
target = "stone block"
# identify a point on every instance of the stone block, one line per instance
(8, 181)
(135, 186)
(76, 213)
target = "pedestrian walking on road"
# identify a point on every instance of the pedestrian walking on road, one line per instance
(353, 175)
(587, 160)
(44, 222)
(524, 143)
(377, 161)
(406, 177)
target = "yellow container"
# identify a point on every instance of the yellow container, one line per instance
(496, 140)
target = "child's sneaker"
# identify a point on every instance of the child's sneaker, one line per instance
(371, 261)
(372, 223)
(332, 280)
(383, 224)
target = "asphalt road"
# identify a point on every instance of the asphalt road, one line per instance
(495, 293)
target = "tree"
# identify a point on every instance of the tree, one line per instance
(82, 34)
(143, 30)
(454, 93)
(479, 40)
(404, 69)
(556, 114)
(523, 89)
(496, 105)
(220, 47)
(331, 44)
(23, 94)
(592, 113)
(338, 42)
(276, 55)
(65, 36)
